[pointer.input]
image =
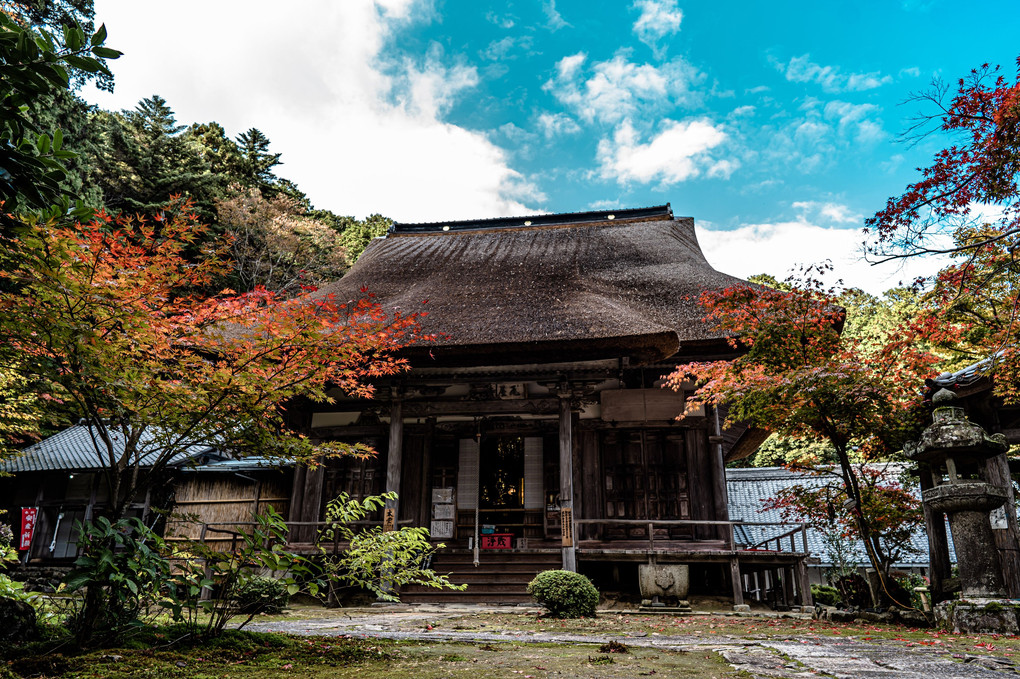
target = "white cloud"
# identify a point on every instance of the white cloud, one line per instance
(554, 18)
(503, 21)
(556, 124)
(893, 163)
(500, 50)
(568, 67)
(802, 70)
(815, 140)
(831, 212)
(433, 88)
(361, 131)
(779, 248)
(658, 19)
(618, 89)
(677, 153)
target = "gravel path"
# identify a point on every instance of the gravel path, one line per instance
(807, 656)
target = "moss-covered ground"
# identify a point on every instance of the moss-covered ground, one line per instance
(692, 643)
(253, 656)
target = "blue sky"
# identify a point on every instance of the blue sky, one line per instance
(775, 125)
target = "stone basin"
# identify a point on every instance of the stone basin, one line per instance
(966, 496)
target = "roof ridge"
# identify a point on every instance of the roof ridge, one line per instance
(526, 221)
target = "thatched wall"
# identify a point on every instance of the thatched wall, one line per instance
(218, 498)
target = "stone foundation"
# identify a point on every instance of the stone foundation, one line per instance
(976, 616)
(44, 579)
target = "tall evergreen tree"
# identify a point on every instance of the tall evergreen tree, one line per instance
(147, 158)
(255, 168)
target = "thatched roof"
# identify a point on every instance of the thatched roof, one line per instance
(584, 285)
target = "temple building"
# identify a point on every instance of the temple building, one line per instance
(533, 433)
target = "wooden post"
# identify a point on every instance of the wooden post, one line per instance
(738, 582)
(394, 458)
(719, 491)
(938, 543)
(567, 485)
(805, 584)
(425, 510)
(297, 494)
(788, 591)
(997, 472)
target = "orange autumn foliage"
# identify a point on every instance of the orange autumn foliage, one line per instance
(797, 376)
(109, 313)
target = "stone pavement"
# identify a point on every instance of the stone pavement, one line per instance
(793, 657)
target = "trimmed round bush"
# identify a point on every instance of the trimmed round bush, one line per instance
(565, 594)
(258, 594)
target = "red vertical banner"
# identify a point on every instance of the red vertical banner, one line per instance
(28, 517)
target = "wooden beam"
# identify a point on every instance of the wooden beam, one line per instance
(394, 458)
(567, 486)
(526, 406)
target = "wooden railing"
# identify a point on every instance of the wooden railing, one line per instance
(777, 543)
(232, 533)
(730, 532)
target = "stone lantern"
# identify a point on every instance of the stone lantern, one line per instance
(957, 450)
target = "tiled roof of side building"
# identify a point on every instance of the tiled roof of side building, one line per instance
(244, 464)
(749, 488)
(74, 449)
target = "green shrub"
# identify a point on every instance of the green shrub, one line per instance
(565, 594)
(825, 595)
(116, 580)
(909, 581)
(259, 594)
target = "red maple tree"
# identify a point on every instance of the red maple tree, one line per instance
(109, 314)
(796, 376)
(967, 205)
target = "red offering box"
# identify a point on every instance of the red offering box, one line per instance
(496, 541)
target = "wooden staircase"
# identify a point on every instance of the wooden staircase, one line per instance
(501, 577)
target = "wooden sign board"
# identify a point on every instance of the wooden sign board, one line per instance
(642, 405)
(567, 526)
(441, 530)
(390, 519)
(496, 541)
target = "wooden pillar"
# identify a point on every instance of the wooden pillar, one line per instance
(788, 591)
(938, 543)
(425, 508)
(567, 485)
(720, 492)
(1006, 532)
(394, 458)
(297, 493)
(805, 584)
(738, 582)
